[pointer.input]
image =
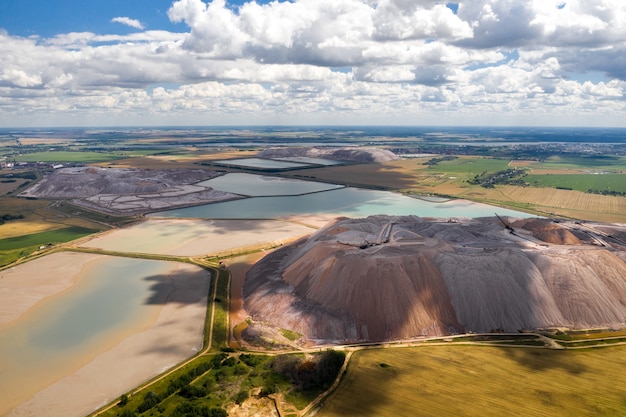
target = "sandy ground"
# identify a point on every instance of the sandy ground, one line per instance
(175, 335)
(24, 286)
(189, 237)
(239, 266)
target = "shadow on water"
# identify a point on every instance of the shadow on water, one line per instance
(180, 287)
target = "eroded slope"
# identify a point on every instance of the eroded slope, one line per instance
(383, 278)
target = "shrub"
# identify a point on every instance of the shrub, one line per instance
(192, 391)
(123, 400)
(241, 396)
(149, 401)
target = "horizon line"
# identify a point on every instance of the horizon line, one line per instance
(309, 126)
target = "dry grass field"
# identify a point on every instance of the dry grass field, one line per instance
(481, 381)
(20, 227)
(6, 186)
(43, 215)
(33, 222)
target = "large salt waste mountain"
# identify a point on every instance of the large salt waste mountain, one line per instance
(385, 278)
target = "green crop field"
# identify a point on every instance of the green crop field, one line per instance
(580, 182)
(68, 156)
(470, 166)
(43, 238)
(592, 162)
(481, 381)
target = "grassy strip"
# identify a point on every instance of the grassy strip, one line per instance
(593, 342)
(220, 321)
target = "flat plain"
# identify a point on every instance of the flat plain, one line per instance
(481, 381)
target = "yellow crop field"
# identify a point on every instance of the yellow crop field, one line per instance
(481, 381)
(19, 228)
(570, 203)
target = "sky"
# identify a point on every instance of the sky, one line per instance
(312, 62)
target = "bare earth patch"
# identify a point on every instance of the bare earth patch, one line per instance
(192, 237)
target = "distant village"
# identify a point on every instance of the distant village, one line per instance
(6, 163)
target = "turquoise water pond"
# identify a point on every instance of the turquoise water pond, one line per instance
(350, 202)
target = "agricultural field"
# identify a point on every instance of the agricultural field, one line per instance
(485, 381)
(591, 163)
(48, 238)
(469, 166)
(580, 182)
(10, 185)
(39, 222)
(13, 248)
(70, 157)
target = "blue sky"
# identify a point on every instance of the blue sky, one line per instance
(49, 18)
(405, 62)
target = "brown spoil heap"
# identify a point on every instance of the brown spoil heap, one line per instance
(547, 231)
(388, 278)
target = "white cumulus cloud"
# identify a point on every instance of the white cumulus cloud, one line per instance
(133, 23)
(331, 61)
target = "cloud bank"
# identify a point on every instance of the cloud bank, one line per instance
(539, 62)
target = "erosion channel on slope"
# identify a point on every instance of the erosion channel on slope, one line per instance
(386, 278)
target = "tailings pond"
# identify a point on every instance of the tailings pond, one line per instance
(350, 202)
(104, 300)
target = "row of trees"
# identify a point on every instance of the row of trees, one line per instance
(608, 192)
(6, 217)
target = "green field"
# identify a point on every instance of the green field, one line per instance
(69, 156)
(470, 166)
(612, 163)
(481, 381)
(580, 182)
(13, 248)
(43, 238)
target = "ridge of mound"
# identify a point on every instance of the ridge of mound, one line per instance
(354, 154)
(389, 278)
(545, 230)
